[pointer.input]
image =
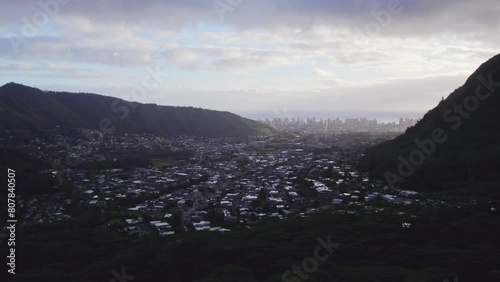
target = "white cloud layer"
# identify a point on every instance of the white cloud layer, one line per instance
(320, 56)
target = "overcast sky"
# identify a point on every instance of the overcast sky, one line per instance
(257, 58)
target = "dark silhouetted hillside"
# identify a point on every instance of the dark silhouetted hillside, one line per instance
(26, 110)
(469, 121)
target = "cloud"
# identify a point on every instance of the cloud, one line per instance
(306, 53)
(16, 66)
(432, 16)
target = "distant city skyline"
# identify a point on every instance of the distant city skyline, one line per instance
(312, 124)
(380, 117)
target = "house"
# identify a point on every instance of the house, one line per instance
(337, 201)
(131, 221)
(202, 225)
(167, 233)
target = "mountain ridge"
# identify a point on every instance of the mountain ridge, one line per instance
(33, 110)
(465, 135)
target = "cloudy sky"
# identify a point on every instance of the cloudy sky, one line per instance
(257, 58)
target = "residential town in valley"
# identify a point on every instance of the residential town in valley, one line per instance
(210, 184)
